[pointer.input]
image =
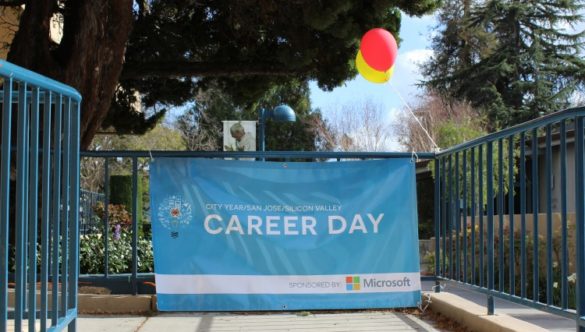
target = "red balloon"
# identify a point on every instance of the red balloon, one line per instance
(379, 49)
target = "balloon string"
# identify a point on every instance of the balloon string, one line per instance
(437, 148)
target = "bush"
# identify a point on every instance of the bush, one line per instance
(528, 286)
(121, 194)
(117, 215)
(92, 254)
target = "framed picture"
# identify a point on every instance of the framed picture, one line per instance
(239, 135)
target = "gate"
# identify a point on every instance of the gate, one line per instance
(39, 200)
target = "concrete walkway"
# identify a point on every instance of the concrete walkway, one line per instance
(218, 322)
(537, 317)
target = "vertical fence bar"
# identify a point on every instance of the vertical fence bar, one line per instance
(55, 223)
(65, 203)
(480, 214)
(549, 230)
(134, 224)
(106, 217)
(465, 257)
(472, 186)
(444, 216)
(33, 210)
(564, 246)
(534, 177)
(451, 216)
(5, 200)
(437, 218)
(46, 213)
(21, 206)
(457, 219)
(501, 213)
(490, 226)
(522, 215)
(580, 220)
(511, 220)
(74, 216)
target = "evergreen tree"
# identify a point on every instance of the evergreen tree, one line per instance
(512, 59)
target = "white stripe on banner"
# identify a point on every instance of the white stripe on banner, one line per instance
(287, 284)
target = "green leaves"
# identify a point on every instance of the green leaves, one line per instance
(92, 254)
(512, 60)
(245, 48)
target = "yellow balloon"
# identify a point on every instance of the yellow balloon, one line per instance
(369, 73)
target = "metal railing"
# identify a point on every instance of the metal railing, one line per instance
(508, 221)
(135, 164)
(88, 219)
(510, 218)
(39, 200)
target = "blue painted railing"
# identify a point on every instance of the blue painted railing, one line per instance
(89, 221)
(510, 218)
(132, 280)
(39, 200)
(532, 174)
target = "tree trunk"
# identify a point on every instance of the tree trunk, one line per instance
(89, 57)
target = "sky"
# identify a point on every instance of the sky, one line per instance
(414, 49)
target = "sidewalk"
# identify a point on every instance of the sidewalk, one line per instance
(218, 322)
(537, 317)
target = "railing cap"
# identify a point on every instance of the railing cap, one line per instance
(8, 69)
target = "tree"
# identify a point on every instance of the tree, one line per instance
(448, 123)
(510, 59)
(201, 126)
(198, 131)
(357, 127)
(166, 50)
(92, 169)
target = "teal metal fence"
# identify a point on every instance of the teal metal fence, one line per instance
(39, 201)
(510, 218)
(127, 274)
(89, 220)
(508, 221)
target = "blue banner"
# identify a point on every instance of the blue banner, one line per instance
(245, 235)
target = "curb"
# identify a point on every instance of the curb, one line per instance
(474, 316)
(466, 313)
(116, 304)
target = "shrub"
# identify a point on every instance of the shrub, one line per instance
(92, 254)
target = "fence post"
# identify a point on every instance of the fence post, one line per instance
(437, 214)
(134, 224)
(579, 220)
(5, 201)
(490, 226)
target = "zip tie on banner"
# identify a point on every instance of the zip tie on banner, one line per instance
(436, 147)
(425, 301)
(440, 286)
(414, 157)
(151, 157)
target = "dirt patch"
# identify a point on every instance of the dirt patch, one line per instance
(436, 320)
(94, 290)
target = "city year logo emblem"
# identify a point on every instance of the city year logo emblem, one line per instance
(174, 213)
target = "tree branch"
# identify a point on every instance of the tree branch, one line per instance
(182, 69)
(13, 3)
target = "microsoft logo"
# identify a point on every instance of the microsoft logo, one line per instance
(352, 283)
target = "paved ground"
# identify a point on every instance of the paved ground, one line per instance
(217, 322)
(317, 322)
(537, 317)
